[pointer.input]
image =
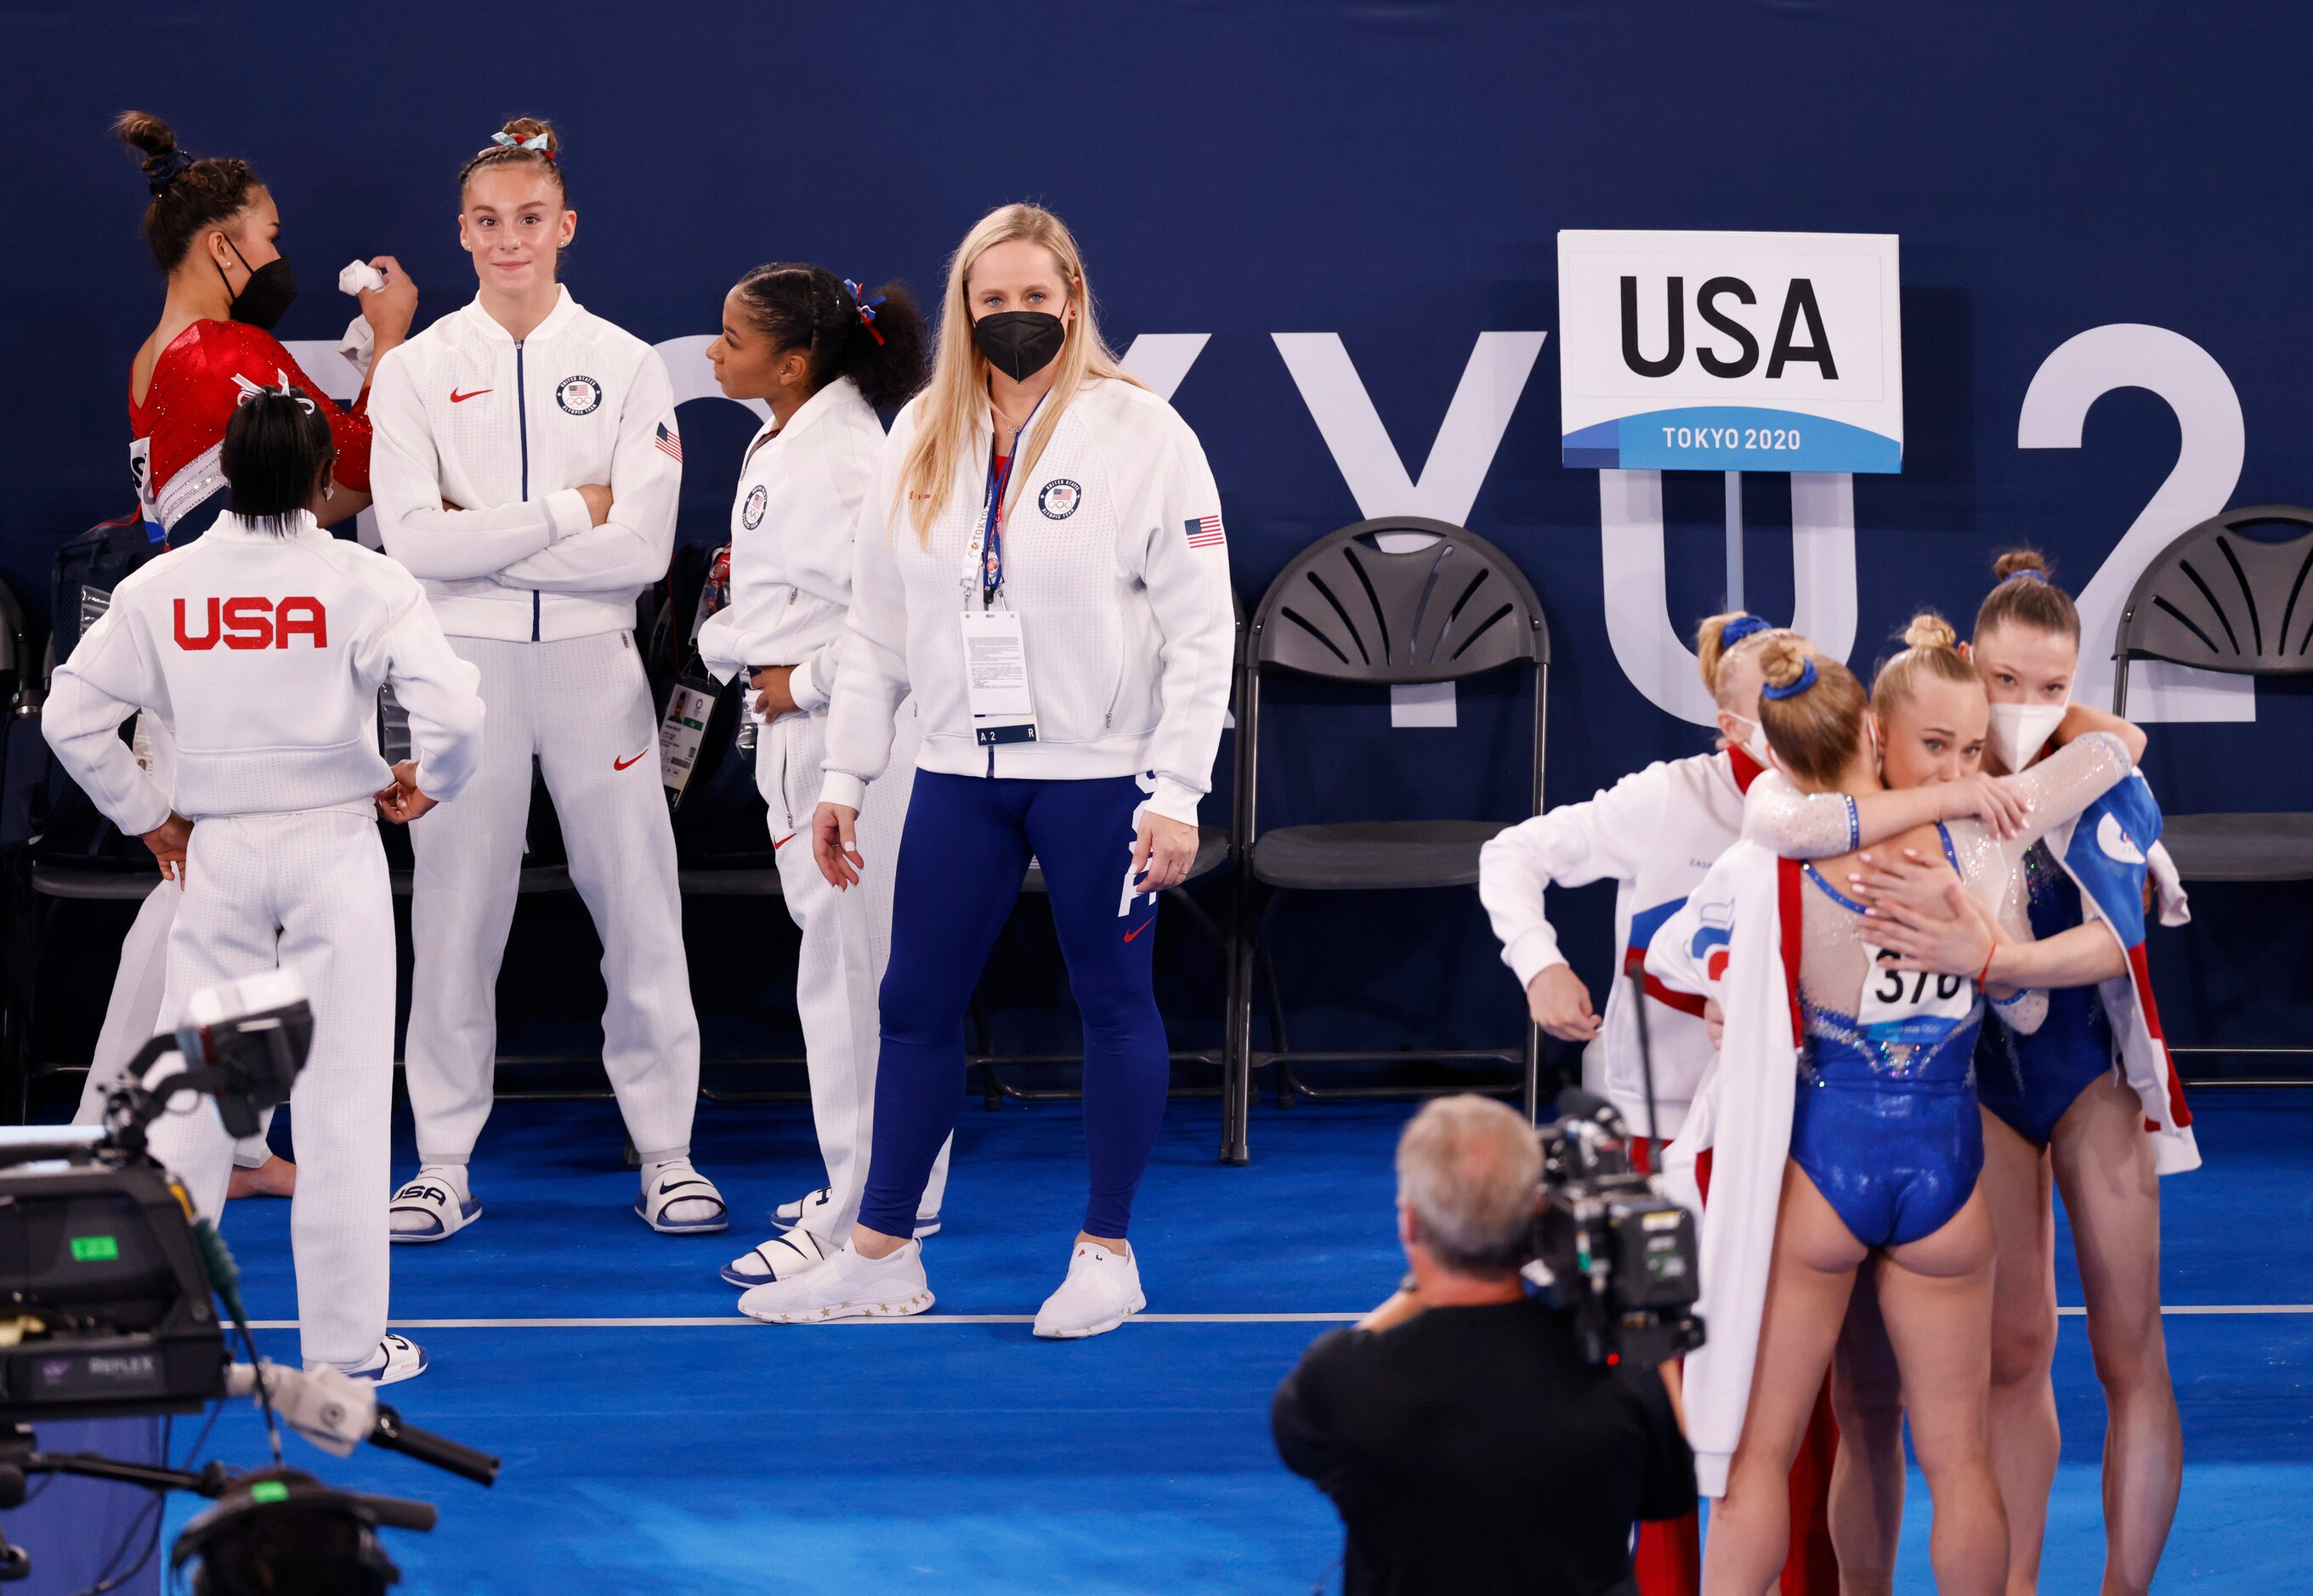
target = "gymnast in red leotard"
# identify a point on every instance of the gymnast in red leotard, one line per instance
(213, 228)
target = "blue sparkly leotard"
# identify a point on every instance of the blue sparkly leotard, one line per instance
(2029, 1081)
(1886, 1129)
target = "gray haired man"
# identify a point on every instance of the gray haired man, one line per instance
(1467, 1442)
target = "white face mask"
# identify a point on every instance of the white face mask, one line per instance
(1755, 742)
(2018, 731)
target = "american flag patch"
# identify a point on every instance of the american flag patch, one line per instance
(670, 443)
(1205, 533)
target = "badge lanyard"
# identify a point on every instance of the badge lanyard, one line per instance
(991, 532)
(995, 644)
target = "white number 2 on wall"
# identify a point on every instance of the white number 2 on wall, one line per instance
(2078, 371)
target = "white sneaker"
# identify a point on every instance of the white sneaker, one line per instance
(848, 1286)
(1103, 1290)
(787, 1216)
(434, 1206)
(397, 1358)
(782, 1257)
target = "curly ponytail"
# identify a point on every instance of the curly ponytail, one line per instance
(874, 337)
(190, 194)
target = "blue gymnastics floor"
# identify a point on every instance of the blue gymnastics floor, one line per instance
(934, 1455)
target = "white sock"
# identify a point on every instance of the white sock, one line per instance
(687, 1210)
(450, 1176)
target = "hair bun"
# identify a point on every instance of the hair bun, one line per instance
(1929, 631)
(1783, 661)
(142, 131)
(2017, 562)
(528, 127)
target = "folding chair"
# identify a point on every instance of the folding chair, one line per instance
(1345, 610)
(2218, 600)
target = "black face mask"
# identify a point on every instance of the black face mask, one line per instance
(1019, 343)
(266, 296)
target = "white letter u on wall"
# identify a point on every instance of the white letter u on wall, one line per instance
(1653, 650)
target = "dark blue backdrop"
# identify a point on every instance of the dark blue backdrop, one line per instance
(1394, 173)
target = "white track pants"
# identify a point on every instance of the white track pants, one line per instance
(306, 892)
(847, 942)
(132, 1016)
(583, 709)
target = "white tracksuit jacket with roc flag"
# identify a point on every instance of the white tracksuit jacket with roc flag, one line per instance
(1655, 832)
(1736, 939)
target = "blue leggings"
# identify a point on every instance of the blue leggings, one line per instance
(963, 853)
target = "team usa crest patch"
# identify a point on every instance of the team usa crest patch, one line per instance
(752, 515)
(1205, 533)
(579, 396)
(1060, 499)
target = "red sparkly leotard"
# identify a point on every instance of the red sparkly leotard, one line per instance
(179, 427)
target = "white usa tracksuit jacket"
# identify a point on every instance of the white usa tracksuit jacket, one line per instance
(792, 522)
(1655, 832)
(507, 430)
(262, 655)
(1115, 559)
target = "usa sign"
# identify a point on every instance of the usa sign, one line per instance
(1730, 351)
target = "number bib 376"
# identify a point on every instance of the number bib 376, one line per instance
(1910, 1005)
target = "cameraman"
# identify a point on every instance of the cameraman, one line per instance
(1468, 1444)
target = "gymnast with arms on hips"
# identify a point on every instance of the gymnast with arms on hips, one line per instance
(275, 805)
(1874, 1107)
(823, 354)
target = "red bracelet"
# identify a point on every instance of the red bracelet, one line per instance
(1986, 971)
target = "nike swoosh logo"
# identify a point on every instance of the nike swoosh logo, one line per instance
(622, 764)
(459, 398)
(783, 841)
(1136, 930)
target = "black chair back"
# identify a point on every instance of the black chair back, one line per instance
(2219, 600)
(1348, 611)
